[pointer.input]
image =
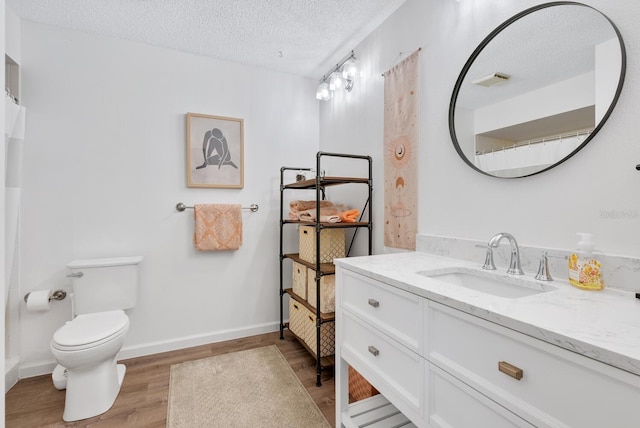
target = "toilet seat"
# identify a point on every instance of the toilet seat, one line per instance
(90, 330)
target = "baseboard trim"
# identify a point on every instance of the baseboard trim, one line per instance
(11, 369)
(46, 367)
(195, 340)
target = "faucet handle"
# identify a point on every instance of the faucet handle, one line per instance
(543, 269)
(488, 258)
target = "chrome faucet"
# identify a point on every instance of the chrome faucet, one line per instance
(514, 264)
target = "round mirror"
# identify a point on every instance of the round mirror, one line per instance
(537, 89)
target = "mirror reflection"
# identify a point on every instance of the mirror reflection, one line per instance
(536, 90)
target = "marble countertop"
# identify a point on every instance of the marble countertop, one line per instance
(603, 325)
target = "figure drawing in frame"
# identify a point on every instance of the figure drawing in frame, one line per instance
(215, 151)
(214, 140)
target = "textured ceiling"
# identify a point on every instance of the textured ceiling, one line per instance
(294, 36)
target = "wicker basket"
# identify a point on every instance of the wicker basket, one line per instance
(327, 291)
(300, 280)
(359, 387)
(327, 334)
(297, 318)
(332, 244)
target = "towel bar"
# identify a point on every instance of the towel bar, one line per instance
(181, 207)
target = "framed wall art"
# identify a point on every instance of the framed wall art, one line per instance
(215, 151)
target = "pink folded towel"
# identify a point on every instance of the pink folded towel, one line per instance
(218, 227)
(323, 218)
(298, 206)
(327, 214)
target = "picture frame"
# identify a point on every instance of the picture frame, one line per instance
(215, 151)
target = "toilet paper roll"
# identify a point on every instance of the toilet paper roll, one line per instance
(39, 301)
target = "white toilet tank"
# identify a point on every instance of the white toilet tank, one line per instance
(104, 284)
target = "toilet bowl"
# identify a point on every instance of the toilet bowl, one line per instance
(87, 347)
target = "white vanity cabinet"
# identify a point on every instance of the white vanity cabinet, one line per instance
(381, 335)
(441, 367)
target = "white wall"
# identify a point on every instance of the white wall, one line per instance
(104, 166)
(608, 61)
(568, 95)
(12, 32)
(2, 204)
(595, 191)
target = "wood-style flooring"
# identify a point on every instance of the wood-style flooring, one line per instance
(142, 402)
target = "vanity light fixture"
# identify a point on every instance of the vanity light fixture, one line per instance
(324, 93)
(343, 75)
(492, 79)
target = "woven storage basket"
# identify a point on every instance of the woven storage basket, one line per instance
(332, 244)
(300, 280)
(297, 318)
(359, 387)
(327, 334)
(327, 291)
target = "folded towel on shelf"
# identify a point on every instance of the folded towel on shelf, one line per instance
(299, 215)
(299, 206)
(327, 214)
(330, 218)
(217, 227)
(349, 216)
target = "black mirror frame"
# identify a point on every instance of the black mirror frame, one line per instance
(485, 42)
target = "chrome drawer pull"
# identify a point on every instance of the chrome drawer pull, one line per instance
(374, 351)
(510, 370)
(374, 303)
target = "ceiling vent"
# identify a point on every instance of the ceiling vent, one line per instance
(492, 79)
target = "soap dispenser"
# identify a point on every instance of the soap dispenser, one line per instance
(585, 271)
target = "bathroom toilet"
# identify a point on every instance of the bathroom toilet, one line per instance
(87, 346)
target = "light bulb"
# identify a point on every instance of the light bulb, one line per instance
(324, 93)
(336, 81)
(350, 69)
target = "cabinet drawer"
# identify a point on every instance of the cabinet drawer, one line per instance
(453, 404)
(389, 366)
(557, 388)
(395, 312)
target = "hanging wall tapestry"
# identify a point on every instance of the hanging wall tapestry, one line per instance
(401, 154)
(215, 151)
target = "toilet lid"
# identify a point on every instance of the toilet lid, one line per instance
(90, 328)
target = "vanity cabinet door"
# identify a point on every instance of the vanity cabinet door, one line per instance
(453, 404)
(544, 384)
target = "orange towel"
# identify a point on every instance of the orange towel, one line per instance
(350, 216)
(218, 227)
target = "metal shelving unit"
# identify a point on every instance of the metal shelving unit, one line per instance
(319, 184)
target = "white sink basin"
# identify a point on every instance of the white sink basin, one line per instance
(490, 282)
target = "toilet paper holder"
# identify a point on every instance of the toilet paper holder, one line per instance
(56, 295)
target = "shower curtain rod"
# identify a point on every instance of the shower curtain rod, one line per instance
(537, 141)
